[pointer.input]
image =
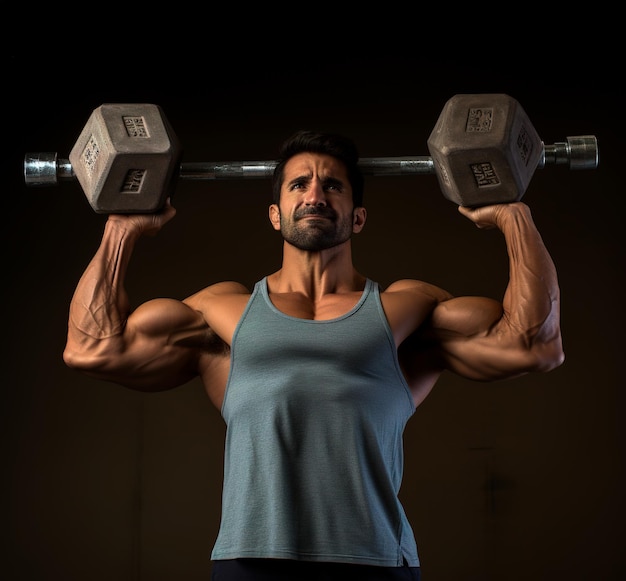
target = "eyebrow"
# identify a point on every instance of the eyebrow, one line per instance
(327, 181)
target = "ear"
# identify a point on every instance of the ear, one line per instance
(274, 214)
(359, 215)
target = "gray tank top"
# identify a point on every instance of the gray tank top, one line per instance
(315, 412)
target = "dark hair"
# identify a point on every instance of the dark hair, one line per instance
(337, 146)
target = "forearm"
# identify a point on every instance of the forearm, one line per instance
(531, 301)
(100, 306)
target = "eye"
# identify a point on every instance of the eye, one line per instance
(296, 185)
(333, 185)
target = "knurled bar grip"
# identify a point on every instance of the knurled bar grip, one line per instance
(578, 152)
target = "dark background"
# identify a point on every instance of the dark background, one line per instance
(504, 482)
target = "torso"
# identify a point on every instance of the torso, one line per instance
(406, 306)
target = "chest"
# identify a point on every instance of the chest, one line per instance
(341, 331)
(348, 364)
(326, 308)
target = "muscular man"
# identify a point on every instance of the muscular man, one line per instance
(316, 370)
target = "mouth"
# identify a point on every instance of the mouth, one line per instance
(315, 215)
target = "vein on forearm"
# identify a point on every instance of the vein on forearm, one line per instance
(531, 301)
(100, 307)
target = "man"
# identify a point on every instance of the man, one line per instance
(316, 370)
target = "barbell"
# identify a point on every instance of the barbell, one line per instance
(483, 150)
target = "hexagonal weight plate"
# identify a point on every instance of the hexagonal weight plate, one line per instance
(485, 149)
(126, 158)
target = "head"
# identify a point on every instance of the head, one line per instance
(318, 191)
(336, 146)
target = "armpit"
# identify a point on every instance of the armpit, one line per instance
(215, 344)
(421, 350)
(209, 342)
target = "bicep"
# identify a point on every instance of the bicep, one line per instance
(164, 320)
(474, 341)
(467, 317)
(161, 343)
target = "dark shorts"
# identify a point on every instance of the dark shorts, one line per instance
(288, 570)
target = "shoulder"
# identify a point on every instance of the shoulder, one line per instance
(222, 290)
(412, 289)
(221, 306)
(408, 303)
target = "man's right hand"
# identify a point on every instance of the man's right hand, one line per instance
(146, 224)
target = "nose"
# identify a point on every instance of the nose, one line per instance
(315, 195)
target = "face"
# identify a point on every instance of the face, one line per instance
(316, 210)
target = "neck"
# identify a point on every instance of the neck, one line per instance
(316, 273)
